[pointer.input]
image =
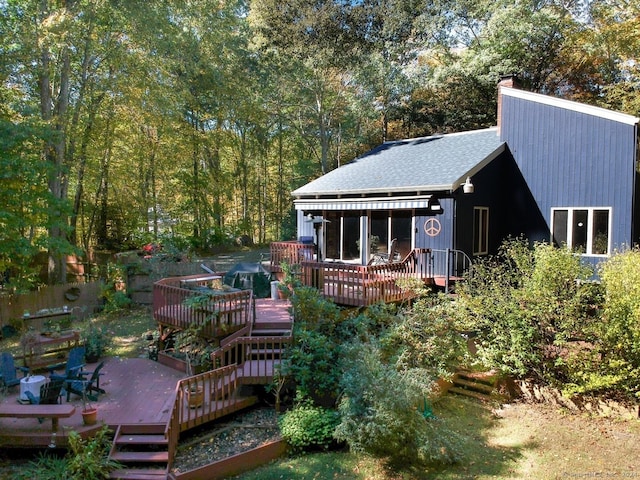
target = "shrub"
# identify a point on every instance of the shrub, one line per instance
(89, 459)
(308, 426)
(612, 364)
(527, 302)
(380, 413)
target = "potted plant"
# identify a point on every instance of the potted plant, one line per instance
(290, 281)
(89, 412)
(95, 340)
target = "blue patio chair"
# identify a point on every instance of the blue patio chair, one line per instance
(82, 386)
(74, 364)
(50, 394)
(8, 372)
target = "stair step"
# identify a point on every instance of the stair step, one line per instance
(264, 332)
(140, 457)
(140, 439)
(486, 379)
(469, 393)
(473, 385)
(140, 428)
(138, 474)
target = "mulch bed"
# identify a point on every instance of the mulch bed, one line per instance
(220, 440)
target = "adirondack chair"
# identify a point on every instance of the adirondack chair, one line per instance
(8, 371)
(82, 386)
(74, 364)
(50, 393)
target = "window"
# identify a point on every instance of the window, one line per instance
(480, 230)
(584, 230)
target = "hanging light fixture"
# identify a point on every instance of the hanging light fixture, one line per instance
(467, 186)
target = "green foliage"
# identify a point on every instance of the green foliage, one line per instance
(380, 413)
(114, 297)
(89, 459)
(527, 303)
(314, 311)
(96, 340)
(44, 467)
(308, 426)
(612, 361)
(85, 460)
(429, 338)
(312, 363)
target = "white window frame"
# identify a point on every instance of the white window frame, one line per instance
(481, 236)
(570, 223)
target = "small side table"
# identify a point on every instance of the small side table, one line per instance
(31, 384)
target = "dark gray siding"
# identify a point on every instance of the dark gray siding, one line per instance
(572, 159)
(444, 239)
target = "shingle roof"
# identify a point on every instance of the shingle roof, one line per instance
(421, 164)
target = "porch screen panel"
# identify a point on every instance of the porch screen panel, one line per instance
(401, 229)
(332, 235)
(379, 231)
(350, 236)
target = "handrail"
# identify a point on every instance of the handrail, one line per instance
(218, 315)
(362, 285)
(291, 252)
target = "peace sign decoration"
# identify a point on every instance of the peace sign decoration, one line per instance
(432, 227)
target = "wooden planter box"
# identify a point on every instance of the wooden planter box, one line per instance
(165, 357)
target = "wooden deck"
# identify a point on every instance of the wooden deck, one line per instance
(138, 391)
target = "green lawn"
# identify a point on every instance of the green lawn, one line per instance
(516, 441)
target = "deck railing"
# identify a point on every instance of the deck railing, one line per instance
(217, 313)
(362, 285)
(292, 253)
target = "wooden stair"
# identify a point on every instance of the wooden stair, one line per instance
(479, 385)
(142, 449)
(271, 329)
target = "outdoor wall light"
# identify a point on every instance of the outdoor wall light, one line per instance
(467, 186)
(434, 206)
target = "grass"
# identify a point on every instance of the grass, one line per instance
(128, 329)
(501, 442)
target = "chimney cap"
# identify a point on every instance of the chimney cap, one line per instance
(508, 80)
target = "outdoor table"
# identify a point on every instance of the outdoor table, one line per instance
(31, 384)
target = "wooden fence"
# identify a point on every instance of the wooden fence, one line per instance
(82, 299)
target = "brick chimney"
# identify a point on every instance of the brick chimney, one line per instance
(506, 81)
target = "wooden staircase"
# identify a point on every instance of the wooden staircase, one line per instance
(143, 451)
(479, 385)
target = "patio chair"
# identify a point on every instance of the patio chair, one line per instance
(384, 258)
(81, 386)
(8, 372)
(50, 393)
(74, 363)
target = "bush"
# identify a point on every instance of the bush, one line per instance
(308, 426)
(85, 460)
(612, 363)
(381, 413)
(527, 303)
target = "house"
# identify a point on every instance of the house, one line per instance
(551, 169)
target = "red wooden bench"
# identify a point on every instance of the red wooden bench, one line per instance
(54, 412)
